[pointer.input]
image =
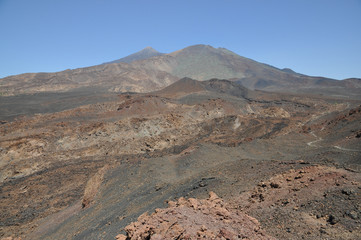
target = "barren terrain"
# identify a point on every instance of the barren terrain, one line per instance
(284, 165)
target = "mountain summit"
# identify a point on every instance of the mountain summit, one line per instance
(147, 52)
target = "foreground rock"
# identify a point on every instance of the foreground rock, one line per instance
(193, 219)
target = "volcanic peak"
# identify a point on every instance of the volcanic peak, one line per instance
(145, 53)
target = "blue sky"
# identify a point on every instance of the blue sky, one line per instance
(314, 37)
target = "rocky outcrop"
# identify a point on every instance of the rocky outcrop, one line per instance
(193, 219)
(92, 186)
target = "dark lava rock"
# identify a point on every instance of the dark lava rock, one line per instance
(275, 185)
(202, 184)
(332, 219)
(352, 214)
(158, 187)
(348, 191)
(323, 230)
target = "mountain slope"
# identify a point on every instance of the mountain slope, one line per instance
(199, 62)
(117, 77)
(147, 52)
(203, 62)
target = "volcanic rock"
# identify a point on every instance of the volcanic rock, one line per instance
(193, 219)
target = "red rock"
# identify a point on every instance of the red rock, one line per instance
(193, 219)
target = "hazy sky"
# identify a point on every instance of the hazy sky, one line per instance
(314, 37)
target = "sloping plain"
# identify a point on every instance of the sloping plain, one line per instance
(88, 172)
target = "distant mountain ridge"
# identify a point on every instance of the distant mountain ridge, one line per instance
(145, 53)
(149, 70)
